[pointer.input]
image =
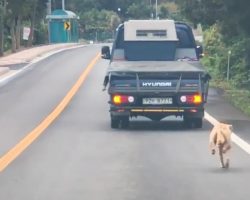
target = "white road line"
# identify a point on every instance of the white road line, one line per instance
(236, 139)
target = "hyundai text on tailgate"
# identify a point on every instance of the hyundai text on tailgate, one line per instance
(154, 71)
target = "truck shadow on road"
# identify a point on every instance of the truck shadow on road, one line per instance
(178, 125)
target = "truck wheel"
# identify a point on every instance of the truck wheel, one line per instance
(124, 122)
(197, 122)
(115, 122)
(193, 122)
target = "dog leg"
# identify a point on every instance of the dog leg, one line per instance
(227, 163)
(227, 155)
(213, 151)
(220, 147)
(212, 141)
(226, 148)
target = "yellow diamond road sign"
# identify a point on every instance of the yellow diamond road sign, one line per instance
(67, 25)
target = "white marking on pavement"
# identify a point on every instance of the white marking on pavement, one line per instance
(235, 138)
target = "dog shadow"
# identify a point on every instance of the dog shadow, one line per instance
(231, 170)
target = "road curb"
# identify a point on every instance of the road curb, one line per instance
(4, 70)
(27, 55)
(32, 55)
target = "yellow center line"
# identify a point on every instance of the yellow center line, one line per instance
(13, 153)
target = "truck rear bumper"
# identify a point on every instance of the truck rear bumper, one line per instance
(192, 112)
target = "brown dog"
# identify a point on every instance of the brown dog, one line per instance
(220, 138)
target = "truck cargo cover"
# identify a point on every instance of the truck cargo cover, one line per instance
(153, 66)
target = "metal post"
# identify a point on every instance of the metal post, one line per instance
(49, 10)
(2, 14)
(119, 12)
(63, 5)
(49, 7)
(156, 9)
(228, 64)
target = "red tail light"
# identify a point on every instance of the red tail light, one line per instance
(122, 99)
(191, 99)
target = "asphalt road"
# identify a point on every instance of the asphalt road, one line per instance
(80, 157)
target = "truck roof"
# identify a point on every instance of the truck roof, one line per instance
(150, 30)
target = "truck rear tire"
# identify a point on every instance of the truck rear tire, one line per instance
(193, 122)
(122, 122)
(197, 122)
(115, 122)
(125, 122)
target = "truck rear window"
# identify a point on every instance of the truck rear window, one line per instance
(151, 33)
(150, 50)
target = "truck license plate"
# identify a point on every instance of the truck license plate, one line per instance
(157, 101)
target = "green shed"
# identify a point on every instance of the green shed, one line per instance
(63, 26)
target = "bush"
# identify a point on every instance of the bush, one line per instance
(217, 57)
(236, 90)
(215, 53)
(41, 35)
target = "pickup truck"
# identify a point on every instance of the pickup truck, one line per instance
(155, 72)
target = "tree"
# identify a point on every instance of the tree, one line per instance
(95, 21)
(33, 4)
(231, 19)
(233, 16)
(80, 6)
(15, 14)
(169, 10)
(29, 12)
(237, 16)
(206, 12)
(106, 15)
(34, 15)
(2, 16)
(139, 11)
